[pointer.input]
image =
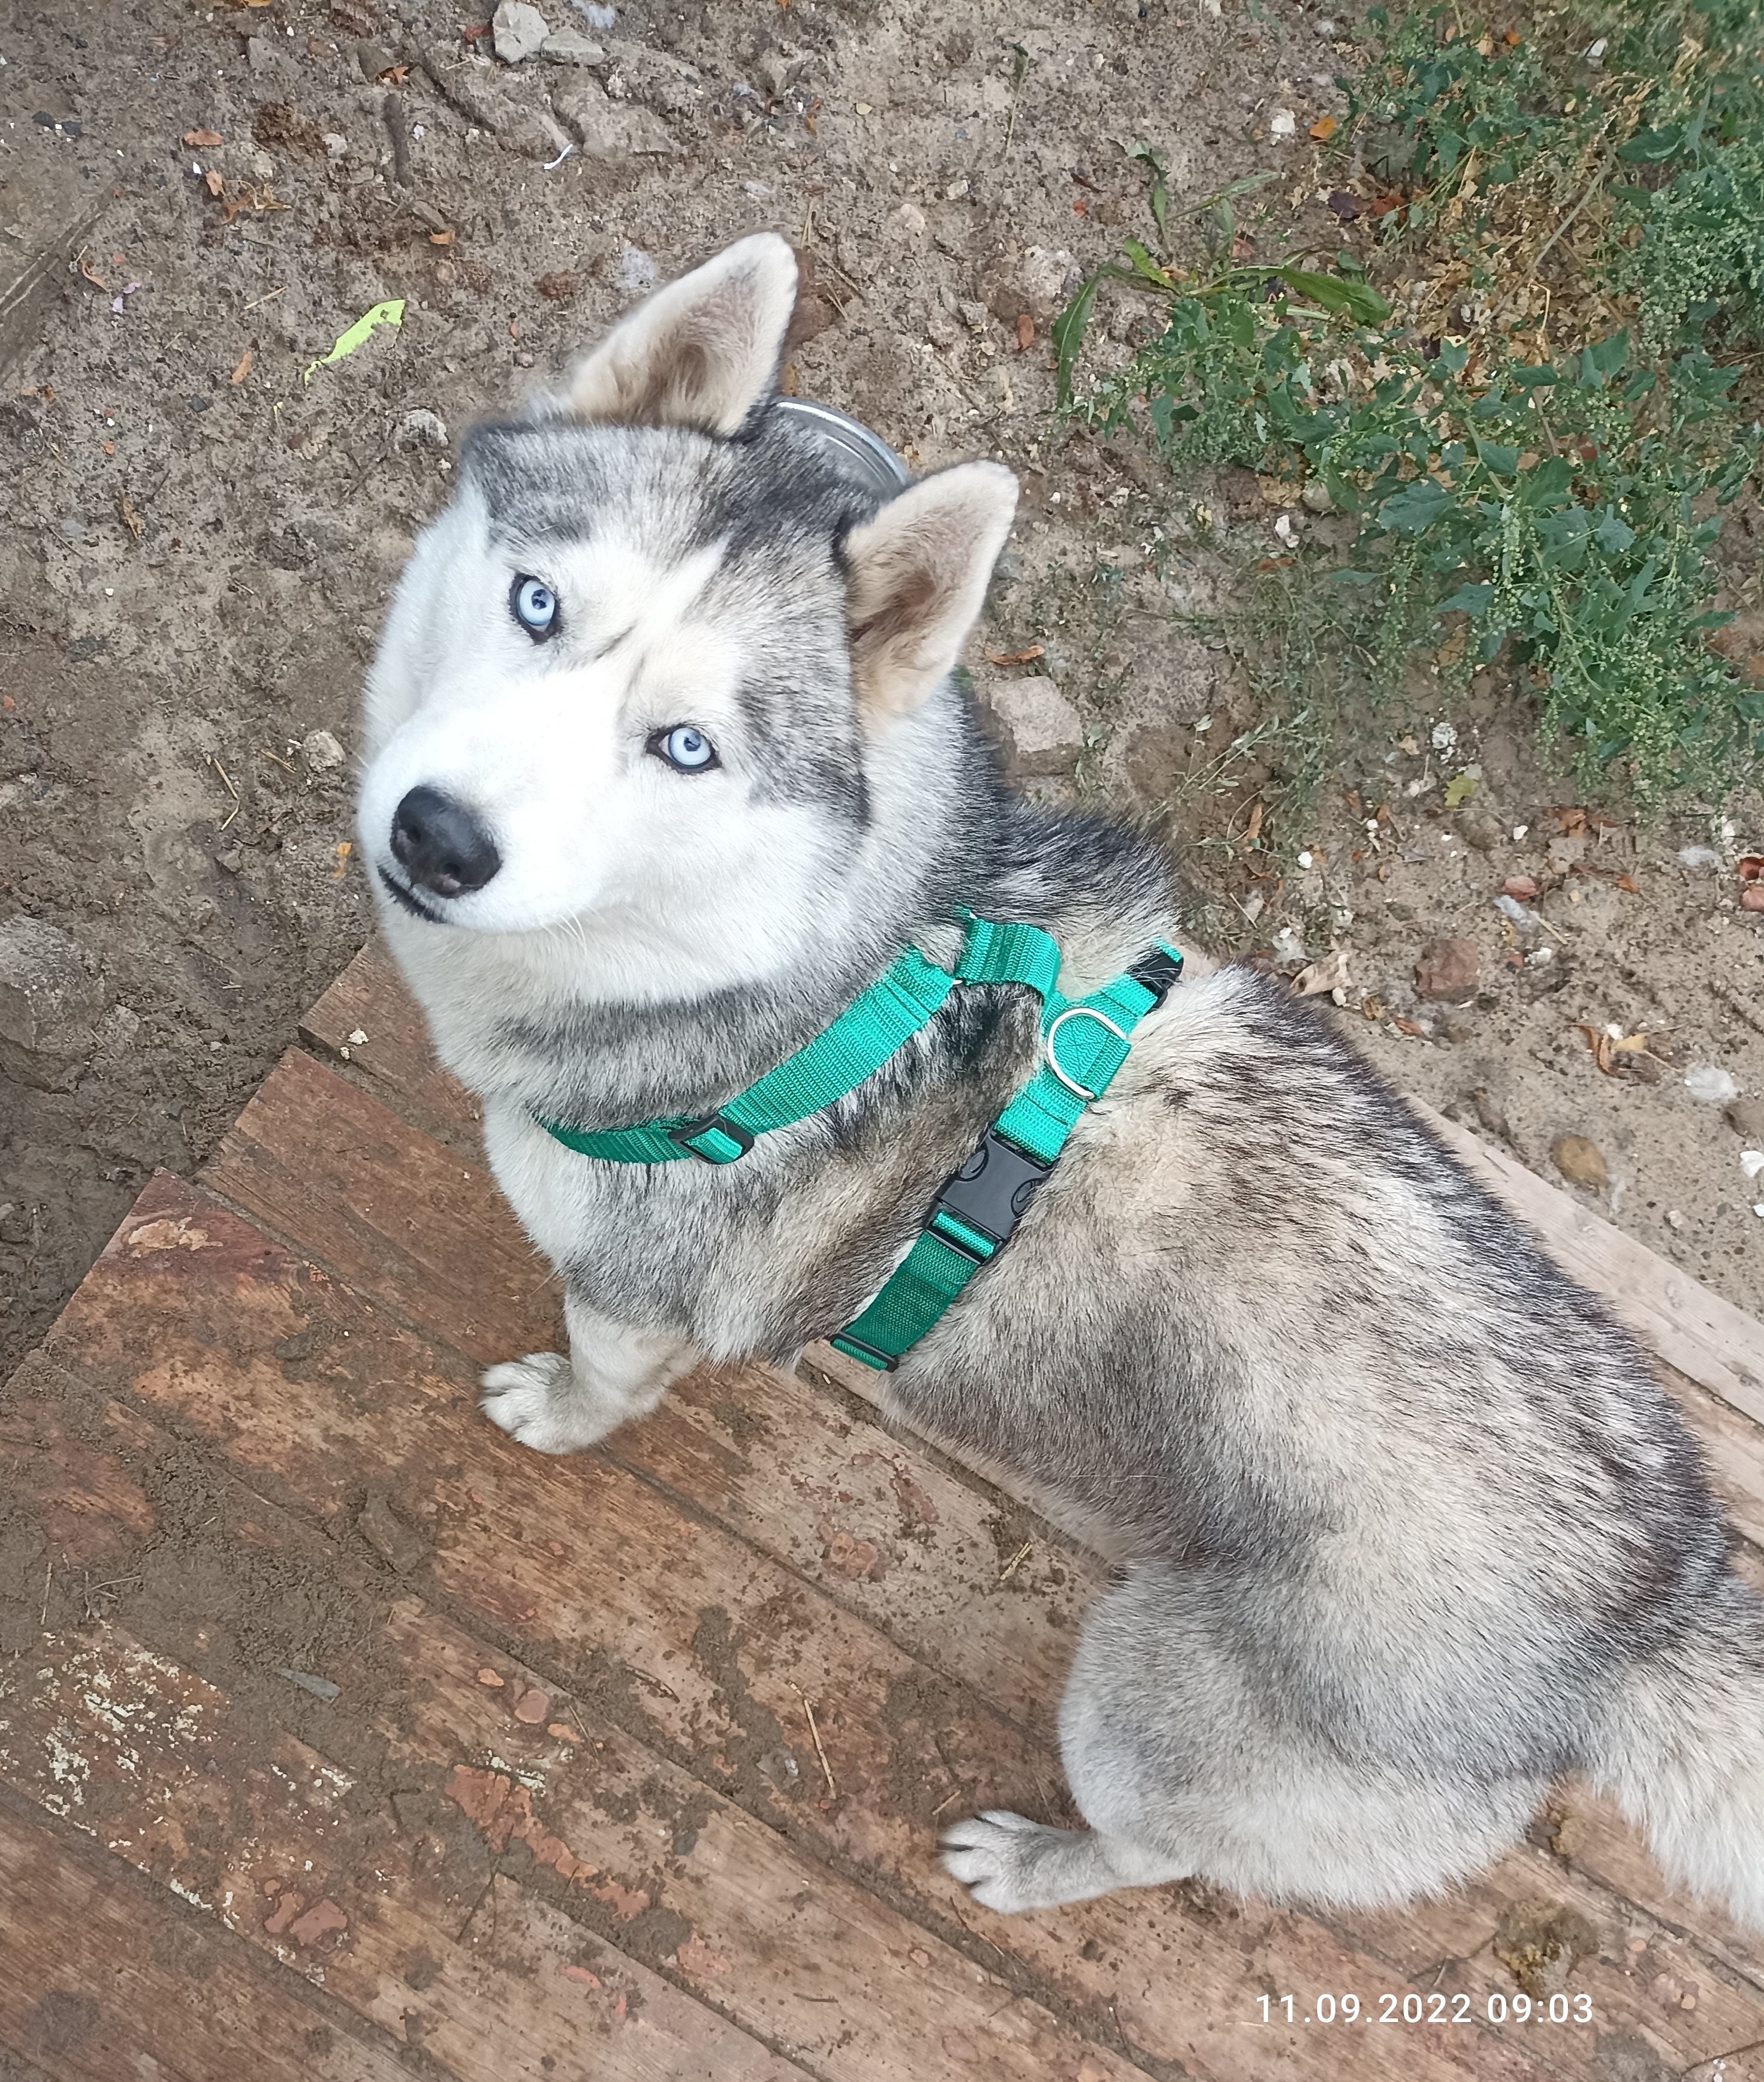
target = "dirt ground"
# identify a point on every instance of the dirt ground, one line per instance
(204, 529)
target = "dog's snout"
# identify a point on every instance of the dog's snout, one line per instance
(441, 846)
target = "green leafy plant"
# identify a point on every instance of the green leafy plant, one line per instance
(1560, 489)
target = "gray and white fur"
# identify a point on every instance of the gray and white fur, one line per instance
(1408, 1526)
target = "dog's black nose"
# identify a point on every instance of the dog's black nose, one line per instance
(441, 846)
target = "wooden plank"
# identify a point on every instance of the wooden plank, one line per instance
(98, 1971)
(1171, 1966)
(292, 1850)
(369, 1000)
(1692, 1328)
(619, 1837)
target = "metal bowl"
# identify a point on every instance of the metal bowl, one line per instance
(850, 445)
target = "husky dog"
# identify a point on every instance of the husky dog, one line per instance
(667, 767)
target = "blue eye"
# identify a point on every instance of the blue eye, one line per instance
(687, 749)
(534, 606)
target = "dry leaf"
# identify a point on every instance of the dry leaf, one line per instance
(243, 368)
(1324, 128)
(1600, 1043)
(1017, 657)
(97, 281)
(1453, 648)
(1629, 885)
(442, 238)
(213, 182)
(1521, 886)
(207, 139)
(1372, 1007)
(1330, 973)
(1025, 332)
(1252, 829)
(1750, 866)
(1410, 1027)
(130, 518)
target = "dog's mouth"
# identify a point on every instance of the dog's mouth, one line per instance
(401, 895)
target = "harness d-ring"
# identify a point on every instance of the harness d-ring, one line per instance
(1078, 1012)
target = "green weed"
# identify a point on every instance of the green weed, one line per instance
(1543, 455)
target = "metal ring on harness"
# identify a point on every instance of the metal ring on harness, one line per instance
(1078, 1012)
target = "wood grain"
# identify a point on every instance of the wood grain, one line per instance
(103, 1976)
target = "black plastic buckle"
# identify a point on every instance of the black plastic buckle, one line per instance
(684, 1136)
(1157, 972)
(855, 1348)
(991, 1193)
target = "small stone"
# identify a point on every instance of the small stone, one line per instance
(1458, 1026)
(519, 31)
(1033, 281)
(1491, 1114)
(1581, 1161)
(610, 130)
(321, 750)
(1481, 830)
(1445, 972)
(230, 862)
(1282, 123)
(1316, 496)
(374, 59)
(570, 47)
(1042, 732)
(422, 428)
(489, 1678)
(530, 1708)
(48, 1002)
(389, 1537)
(1745, 1117)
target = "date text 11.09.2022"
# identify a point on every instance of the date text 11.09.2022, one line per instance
(1412, 2008)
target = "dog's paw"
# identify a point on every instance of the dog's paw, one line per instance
(535, 1400)
(1009, 1863)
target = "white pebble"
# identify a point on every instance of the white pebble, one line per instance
(1709, 1082)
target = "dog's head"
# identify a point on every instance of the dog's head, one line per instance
(639, 676)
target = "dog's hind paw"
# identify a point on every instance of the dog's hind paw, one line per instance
(533, 1400)
(1009, 1863)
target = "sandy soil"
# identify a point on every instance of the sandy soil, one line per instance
(202, 532)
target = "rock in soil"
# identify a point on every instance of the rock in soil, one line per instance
(1445, 972)
(1041, 732)
(48, 1002)
(519, 31)
(1581, 1161)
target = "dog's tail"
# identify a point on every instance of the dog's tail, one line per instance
(1681, 1748)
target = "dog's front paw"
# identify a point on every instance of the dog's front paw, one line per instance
(1001, 1859)
(536, 1400)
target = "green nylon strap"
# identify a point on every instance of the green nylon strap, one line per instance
(948, 1252)
(855, 1047)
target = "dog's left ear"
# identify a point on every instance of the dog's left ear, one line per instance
(702, 352)
(918, 574)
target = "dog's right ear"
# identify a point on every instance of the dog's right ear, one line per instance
(916, 579)
(702, 352)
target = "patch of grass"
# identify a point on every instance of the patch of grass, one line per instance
(1533, 377)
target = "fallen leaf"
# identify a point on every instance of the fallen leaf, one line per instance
(1752, 896)
(1600, 1043)
(442, 238)
(1453, 648)
(207, 140)
(1025, 332)
(1459, 789)
(1330, 973)
(1017, 657)
(1629, 885)
(1521, 886)
(1410, 1027)
(396, 73)
(130, 518)
(213, 182)
(243, 368)
(1324, 128)
(1749, 867)
(1252, 829)
(389, 313)
(1372, 1007)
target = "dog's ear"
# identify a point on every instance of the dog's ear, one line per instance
(918, 576)
(702, 352)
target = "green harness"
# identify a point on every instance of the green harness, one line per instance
(1084, 1042)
